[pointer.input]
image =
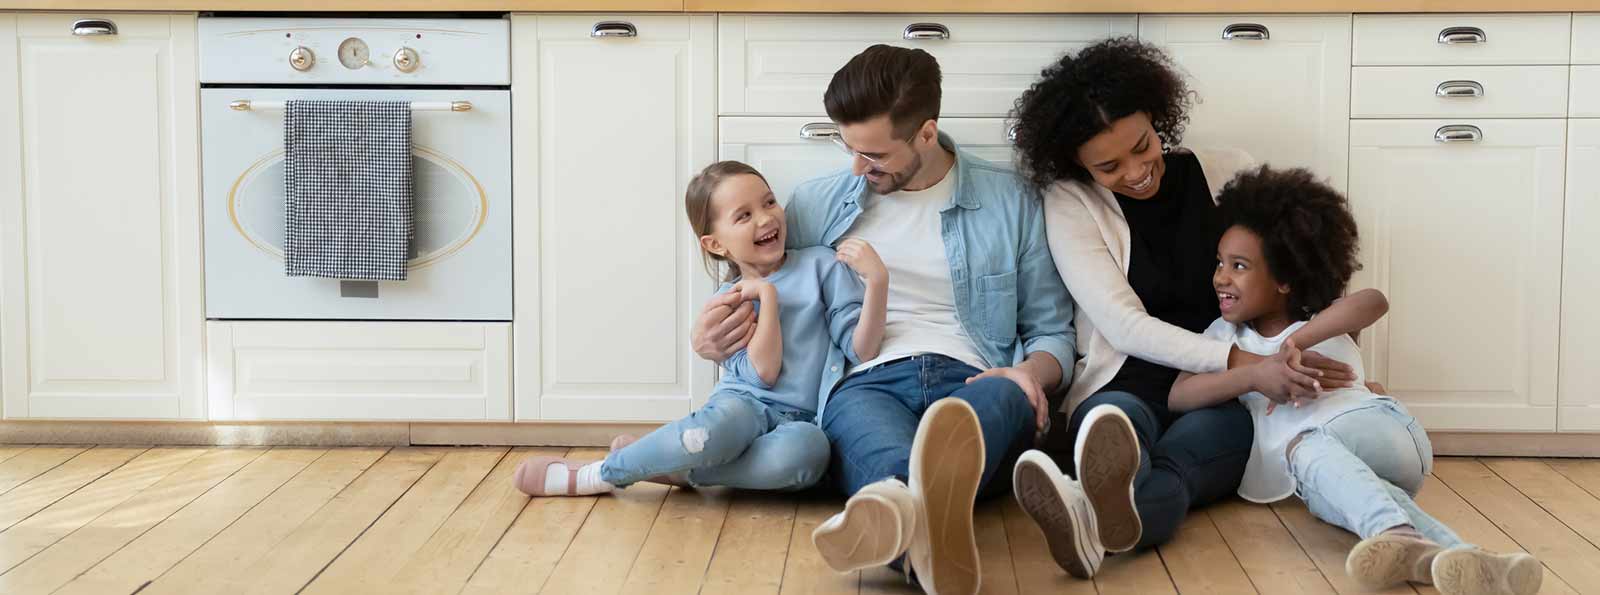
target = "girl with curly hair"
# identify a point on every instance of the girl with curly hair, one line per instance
(1133, 226)
(1355, 457)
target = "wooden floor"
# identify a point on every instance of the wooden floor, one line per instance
(440, 520)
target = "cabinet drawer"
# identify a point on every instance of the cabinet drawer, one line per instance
(781, 64)
(1462, 39)
(1585, 91)
(1459, 91)
(359, 370)
(1586, 38)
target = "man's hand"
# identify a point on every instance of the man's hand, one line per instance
(1029, 386)
(726, 325)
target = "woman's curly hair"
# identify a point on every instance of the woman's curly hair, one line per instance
(1308, 235)
(1079, 97)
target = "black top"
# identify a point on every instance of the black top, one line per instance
(1172, 255)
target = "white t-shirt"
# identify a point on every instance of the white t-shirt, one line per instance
(904, 228)
(1266, 476)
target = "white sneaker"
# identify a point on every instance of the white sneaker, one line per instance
(1467, 570)
(876, 526)
(947, 460)
(1107, 454)
(1057, 504)
(1391, 559)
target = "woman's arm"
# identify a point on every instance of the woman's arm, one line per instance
(1102, 292)
(1275, 377)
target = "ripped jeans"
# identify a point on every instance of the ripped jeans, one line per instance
(1361, 469)
(735, 440)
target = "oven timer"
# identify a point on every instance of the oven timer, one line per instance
(353, 53)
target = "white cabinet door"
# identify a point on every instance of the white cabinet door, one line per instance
(612, 121)
(779, 65)
(1580, 322)
(101, 249)
(788, 151)
(1465, 238)
(1284, 99)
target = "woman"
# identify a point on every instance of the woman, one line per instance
(1133, 228)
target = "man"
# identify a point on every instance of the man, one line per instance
(976, 312)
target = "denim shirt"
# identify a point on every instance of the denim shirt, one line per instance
(1008, 293)
(819, 308)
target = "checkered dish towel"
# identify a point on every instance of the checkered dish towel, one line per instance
(349, 207)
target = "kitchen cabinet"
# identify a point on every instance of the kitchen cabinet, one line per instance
(614, 115)
(1580, 282)
(1289, 75)
(100, 279)
(359, 370)
(780, 65)
(1461, 225)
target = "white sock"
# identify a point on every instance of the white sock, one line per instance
(589, 482)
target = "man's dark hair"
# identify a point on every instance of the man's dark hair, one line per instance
(902, 83)
(1308, 235)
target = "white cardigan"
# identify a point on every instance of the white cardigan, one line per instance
(1089, 241)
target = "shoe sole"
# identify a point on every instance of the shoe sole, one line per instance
(1107, 478)
(947, 470)
(1383, 564)
(1037, 494)
(1476, 572)
(867, 536)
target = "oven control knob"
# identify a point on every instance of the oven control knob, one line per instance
(406, 60)
(302, 59)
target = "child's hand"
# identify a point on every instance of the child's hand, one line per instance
(754, 289)
(1281, 378)
(863, 260)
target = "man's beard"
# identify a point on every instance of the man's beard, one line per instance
(897, 181)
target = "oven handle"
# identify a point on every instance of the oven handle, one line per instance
(244, 105)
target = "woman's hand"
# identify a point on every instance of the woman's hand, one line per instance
(1282, 378)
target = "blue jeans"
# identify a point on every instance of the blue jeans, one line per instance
(872, 418)
(736, 440)
(1361, 469)
(1185, 461)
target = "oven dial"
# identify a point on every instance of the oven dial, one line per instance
(406, 60)
(302, 59)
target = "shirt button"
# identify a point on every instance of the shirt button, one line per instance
(835, 368)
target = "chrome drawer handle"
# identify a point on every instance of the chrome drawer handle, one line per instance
(1461, 133)
(1459, 89)
(1246, 32)
(1455, 35)
(93, 27)
(819, 131)
(921, 31)
(614, 29)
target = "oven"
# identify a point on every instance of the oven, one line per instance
(454, 72)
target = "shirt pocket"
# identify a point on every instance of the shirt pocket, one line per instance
(997, 302)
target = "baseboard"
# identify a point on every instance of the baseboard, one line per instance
(1508, 444)
(1475, 444)
(314, 433)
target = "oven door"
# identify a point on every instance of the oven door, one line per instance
(461, 263)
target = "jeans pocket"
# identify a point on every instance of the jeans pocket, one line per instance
(997, 306)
